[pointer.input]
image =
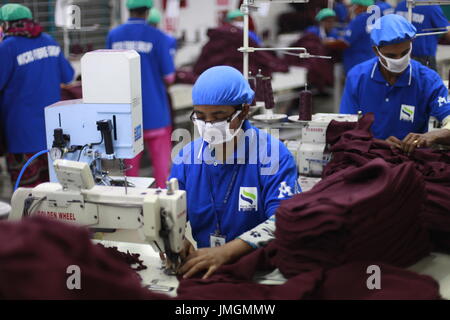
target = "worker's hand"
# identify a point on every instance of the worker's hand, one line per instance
(210, 259)
(188, 248)
(394, 142)
(416, 140)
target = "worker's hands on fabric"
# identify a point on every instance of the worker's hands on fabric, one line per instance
(416, 140)
(394, 142)
(210, 259)
(188, 249)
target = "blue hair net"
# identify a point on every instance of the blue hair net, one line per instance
(222, 85)
(390, 29)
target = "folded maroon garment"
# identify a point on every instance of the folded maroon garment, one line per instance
(349, 282)
(36, 252)
(320, 71)
(221, 49)
(353, 146)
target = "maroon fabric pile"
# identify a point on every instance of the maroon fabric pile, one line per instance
(35, 255)
(359, 214)
(326, 239)
(221, 49)
(353, 146)
(320, 71)
(348, 281)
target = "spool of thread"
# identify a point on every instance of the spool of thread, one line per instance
(268, 92)
(251, 82)
(259, 94)
(305, 106)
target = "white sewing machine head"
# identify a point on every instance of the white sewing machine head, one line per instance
(139, 215)
(107, 122)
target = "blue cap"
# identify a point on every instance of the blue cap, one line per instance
(222, 85)
(390, 29)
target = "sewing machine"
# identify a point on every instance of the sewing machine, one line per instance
(105, 125)
(138, 215)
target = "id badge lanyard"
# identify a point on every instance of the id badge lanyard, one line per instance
(217, 232)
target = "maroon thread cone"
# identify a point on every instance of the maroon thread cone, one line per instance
(269, 100)
(305, 106)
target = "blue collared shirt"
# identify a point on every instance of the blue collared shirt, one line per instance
(358, 37)
(31, 72)
(240, 194)
(156, 62)
(401, 108)
(424, 18)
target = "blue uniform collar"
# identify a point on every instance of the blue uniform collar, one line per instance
(136, 20)
(239, 156)
(403, 81)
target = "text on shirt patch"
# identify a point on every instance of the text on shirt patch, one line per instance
(38, 54)
(407, 113)
(248, 198)
(139, 46)
(442, 101)
(285, 190)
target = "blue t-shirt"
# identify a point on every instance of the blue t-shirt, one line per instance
(156, 63)
(358, 37)
(399, 109)
(385, 7)
(31, 72)
(341, 11)
(236, 196)
(424, 17)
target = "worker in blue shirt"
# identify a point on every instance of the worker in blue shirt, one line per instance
(402, 93)
(426, 19)
(357, 36)
(157, 71)
(234, 179)
(385, 8)
(326, 31)
(154, 18)
(32, 69)
(341, 10)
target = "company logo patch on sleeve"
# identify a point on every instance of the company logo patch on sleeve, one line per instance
(285, 190)
(407, 113)
(248, 199)
(442, 101)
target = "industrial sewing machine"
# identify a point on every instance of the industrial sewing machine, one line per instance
(139, 215)
(105, 125)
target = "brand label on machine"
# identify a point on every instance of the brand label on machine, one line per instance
(57, 215)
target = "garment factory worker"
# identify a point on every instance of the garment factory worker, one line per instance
(341, 11)
(357, 36)
(234, 179)
(425, 19)
(236, 18)
(402, 93)
(157, 70)
(154, 18)
(385, 8)
(32, 69)
(326, 19)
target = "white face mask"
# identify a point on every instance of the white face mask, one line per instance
(238, 24)
(396, 65)
(218, 132)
